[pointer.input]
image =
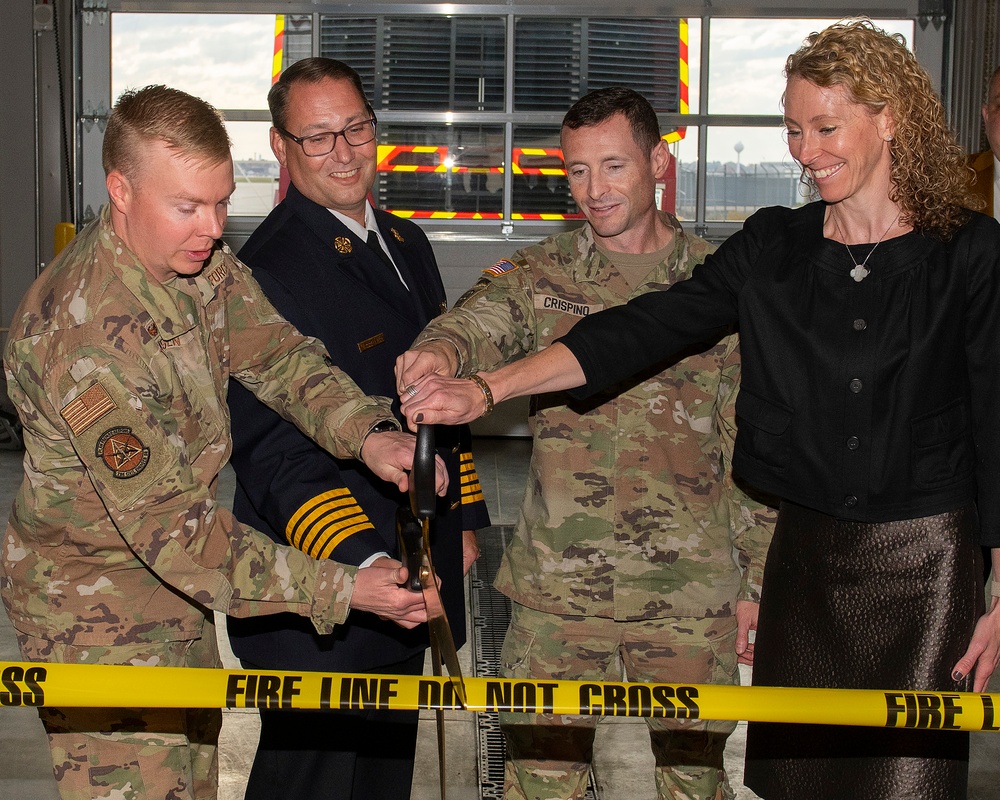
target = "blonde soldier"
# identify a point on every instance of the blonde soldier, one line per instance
(622, 563)
(118, 361)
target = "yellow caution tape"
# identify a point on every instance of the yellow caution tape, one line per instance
(38, 684)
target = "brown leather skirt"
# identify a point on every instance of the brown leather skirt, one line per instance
(868, 606)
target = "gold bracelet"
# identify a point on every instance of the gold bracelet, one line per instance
(484, 387)
(995, 588)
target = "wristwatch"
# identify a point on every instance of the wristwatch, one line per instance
(379, 427)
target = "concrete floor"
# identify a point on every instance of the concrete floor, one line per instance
(623, 763)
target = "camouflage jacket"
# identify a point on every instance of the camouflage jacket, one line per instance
(115, 536)
(628, 513)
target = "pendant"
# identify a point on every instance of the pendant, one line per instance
(859, 273)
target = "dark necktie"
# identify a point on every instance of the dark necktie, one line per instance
(376, 247)
(391, 287)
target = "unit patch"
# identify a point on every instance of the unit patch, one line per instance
(88, 408)
(343, 245)
(546, 302)
(122, 452)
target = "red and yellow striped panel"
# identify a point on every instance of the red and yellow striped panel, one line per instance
(279, 46)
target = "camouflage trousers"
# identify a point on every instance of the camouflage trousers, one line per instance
(549, 756)
(133, 753)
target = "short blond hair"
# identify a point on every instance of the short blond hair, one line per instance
(185, 123)
(930, 180)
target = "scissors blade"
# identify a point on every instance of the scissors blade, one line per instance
(439, 724)
(437, 623)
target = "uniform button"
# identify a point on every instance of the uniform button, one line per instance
(856, 385)
(860, 324)
(853, 443)
(850, 501)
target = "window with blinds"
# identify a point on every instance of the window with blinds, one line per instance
(560, 60)
(469, 104)
(441, 63)
(430, 63)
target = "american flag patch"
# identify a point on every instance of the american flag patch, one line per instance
(501, 267)
(87, 409)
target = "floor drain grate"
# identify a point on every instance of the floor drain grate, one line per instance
(491, 615)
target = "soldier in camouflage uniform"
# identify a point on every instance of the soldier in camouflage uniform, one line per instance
(622, 563)
(118, 361)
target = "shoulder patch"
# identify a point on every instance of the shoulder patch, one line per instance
(122, 452)
(125, 457)
(91, 406)
(501, 267)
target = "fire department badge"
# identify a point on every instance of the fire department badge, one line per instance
(397, 234)
(343, 245)
(122, 452)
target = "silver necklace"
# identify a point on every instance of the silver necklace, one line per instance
(860, 272)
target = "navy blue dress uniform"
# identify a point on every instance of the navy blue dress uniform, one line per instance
(330, 284)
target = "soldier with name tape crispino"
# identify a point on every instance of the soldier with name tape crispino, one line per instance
(622, 563)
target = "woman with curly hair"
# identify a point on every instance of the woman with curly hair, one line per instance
(870, 338)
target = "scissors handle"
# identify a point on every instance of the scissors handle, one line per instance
(410, 534)
(423, 498)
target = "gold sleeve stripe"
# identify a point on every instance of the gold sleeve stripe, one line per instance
(343, 495)
(324, 521)
(311, 539)
(472, 490)
(324, 547)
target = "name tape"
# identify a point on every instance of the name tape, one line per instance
(32, 684)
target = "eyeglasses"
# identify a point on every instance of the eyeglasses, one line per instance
(321, 144)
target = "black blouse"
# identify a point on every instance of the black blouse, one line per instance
(870, 401)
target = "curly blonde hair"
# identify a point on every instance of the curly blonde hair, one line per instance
(931, 181)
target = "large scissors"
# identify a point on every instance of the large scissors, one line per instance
(413, 530)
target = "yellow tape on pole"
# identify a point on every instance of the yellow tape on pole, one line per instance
(37, 684)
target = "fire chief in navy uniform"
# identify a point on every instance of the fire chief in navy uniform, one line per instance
(364, 282)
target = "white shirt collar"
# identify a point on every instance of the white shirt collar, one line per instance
(361, 231)
(354, 227)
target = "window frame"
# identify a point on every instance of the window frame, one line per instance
(94, 47)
